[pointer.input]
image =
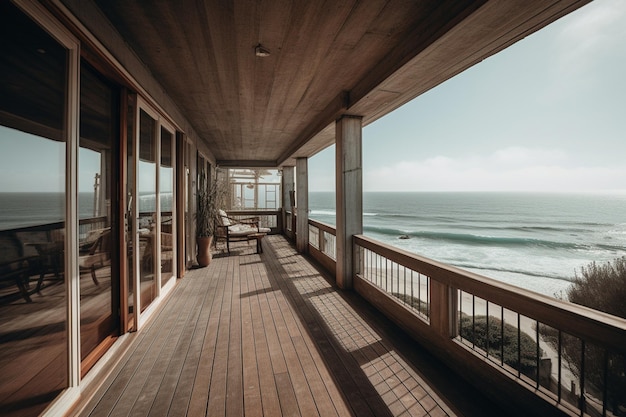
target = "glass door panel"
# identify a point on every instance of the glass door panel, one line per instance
(166, 199)
(129, 214)
(33, 148)
(147, 207)
(98, 271)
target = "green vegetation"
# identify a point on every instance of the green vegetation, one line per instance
(415, 303)
(601, 287)
(497, 340)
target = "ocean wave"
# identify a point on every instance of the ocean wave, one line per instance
(323, 212)
(483, 240)
(334, 213)
(479, 267)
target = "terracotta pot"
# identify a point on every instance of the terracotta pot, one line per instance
(204, 250)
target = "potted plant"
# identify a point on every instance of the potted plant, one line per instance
(210, 199)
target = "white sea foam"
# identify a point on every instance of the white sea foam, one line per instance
(535, 241)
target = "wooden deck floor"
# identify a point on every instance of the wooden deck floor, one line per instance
(268, 335)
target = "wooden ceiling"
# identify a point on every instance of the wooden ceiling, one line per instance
(327, 58)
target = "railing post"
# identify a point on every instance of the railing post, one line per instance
(357, 257)
(443, 309)
(302, 205)
(288, 190)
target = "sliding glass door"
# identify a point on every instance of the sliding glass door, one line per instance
(147, 205)
(155, 218)
(36, 86)
(98, 212)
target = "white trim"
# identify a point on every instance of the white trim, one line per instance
(71, 225)
(59, 406)
(71, 127)
(144, 316)
(170, 128)
(156, 258)
(135, 181)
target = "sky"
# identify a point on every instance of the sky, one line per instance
(546, 114)
(38, 165)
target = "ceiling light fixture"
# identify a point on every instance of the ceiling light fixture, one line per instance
(261, 51)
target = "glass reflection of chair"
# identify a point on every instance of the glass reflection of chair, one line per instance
(45, 250)
(15, 269)
(98, 253)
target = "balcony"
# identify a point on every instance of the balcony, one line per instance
(271, 335)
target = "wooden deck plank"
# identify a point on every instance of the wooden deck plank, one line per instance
(253, 406)
(106, 400)
(288, 329)
(287, 395)
(342, 375)
(307, 357)
(268, 335)
(234, 382)
(137, 397)
(187, 348)
(217, 386)
(269, 391)
(157, 392)
(198, 402)
(182, 394)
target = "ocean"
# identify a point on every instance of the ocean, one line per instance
(537, 241)
(31, 209)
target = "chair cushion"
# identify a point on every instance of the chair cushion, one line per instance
(241, 230)
(224, 218)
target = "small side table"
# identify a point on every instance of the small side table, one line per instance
(259, 237)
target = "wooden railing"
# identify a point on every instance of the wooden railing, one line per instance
(322, 244)
(84, 226)
(522, 348)
(570, 358)
(289, 224)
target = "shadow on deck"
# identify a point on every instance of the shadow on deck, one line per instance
(270, 335)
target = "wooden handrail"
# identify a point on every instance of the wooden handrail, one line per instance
(53, 226)
(588, 324)
(323, 226)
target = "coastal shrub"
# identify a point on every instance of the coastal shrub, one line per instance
(601, 286)
(497, 341)
(415, 303)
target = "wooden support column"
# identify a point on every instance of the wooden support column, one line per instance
(288, 188)
(349, 194)
(302, 205)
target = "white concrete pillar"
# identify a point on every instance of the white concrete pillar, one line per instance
(349, 194)
(302, 205)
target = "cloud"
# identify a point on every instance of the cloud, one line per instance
(595, 30)
(511, 169)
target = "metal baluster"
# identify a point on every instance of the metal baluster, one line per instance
(537, 358)
(559, 359)
(473, 321)
(501, 336)
(582, 377)
(606, 381)
(460, 313)
(519, 346)
(487, 324)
